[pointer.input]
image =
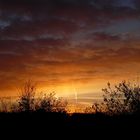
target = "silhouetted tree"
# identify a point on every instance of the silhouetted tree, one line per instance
(123, 98)
(26, 99)
(48, 103)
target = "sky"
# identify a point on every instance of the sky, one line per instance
(72, 47)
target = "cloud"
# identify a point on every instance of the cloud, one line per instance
(64, 40)
(39, 13)
(101, 36)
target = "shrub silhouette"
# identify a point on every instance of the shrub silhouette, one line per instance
(124, 98)
(95, 108)
(49, 103)
(27, 97)
(4, 107)
(29, 103)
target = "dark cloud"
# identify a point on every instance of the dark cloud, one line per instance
(66, 40)
(29, 19)
(100, 36)
(137, 4)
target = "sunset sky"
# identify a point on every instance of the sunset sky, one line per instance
(68, 46)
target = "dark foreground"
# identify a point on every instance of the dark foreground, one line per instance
(63, 125)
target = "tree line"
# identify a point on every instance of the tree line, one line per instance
(123, 98)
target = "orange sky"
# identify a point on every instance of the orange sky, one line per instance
(68, 47)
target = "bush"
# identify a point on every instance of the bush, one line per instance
(28, 103)
(4, 105)
(27, 97)
(49, 103)
(123, 98)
